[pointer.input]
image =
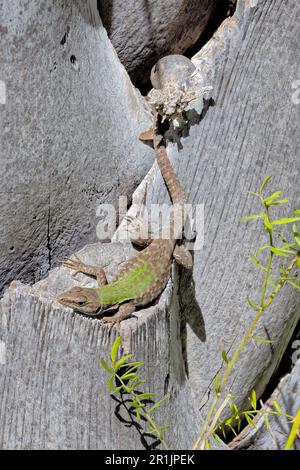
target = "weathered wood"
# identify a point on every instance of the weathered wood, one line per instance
(53, 392)
(68, 132)
(250, 132)
(260, 437)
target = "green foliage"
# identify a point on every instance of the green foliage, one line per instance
(124, 380)
(235, 419)
(123, 374)
(263, 259)
(295, 431)
(286, 250)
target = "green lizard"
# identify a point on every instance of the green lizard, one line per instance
(143, 277)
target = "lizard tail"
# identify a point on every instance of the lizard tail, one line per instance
(171, 180)
(174, 187)
(173, 184)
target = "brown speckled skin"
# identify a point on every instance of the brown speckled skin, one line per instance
(158, 255)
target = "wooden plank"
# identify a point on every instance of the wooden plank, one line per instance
(53, 391)
(251, 131)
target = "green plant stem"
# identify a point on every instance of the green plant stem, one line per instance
(204, 434)
(149, 418)
(267, 274)
(293, 434)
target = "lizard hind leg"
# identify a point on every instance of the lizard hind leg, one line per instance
(140, 231)
(183, 257)
(80, 267)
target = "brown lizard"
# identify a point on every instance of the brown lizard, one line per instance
(143, 277)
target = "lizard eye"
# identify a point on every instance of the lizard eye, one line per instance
(82, 303)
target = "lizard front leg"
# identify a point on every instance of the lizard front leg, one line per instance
(125, 311)
(79, 267)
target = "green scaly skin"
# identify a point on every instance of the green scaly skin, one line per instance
(143, 277)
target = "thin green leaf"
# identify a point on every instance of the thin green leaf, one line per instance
(264, 183)
(234, 409)
(217, 439)
(134, 367)
(208, 445)
(296, 212)
(251, 217)
(256, 262)
(288, 245)
(159, 403)
(121, 362)
(267, 223)
(252, 304)
(252, 193)
(296, 234)
(262, 248)
(232, 430)
(286, 220)
(163, 428)
(138, 405)
(145, 396)
(140, 383)
(117, 390)
(111, 383)
(262, 340)
(276, 406)
(128, 389)
(106, 366)
(266, 420)
(279, 252)
(224, 356)
(115, 347)
(128, 376)
(131, 364)
(298, 263)
(138, 416)
(249, 420)
(268, 200)
(228, 421)
(294, 284)
(294, 431)
(280, 201)
(284, 278)
(253, 399)
(217, 384)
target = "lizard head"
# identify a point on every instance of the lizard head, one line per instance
(82, 299)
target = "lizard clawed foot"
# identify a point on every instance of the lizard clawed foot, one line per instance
(76, 265)
(125, 311)
(110, 320)
(80, 267)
